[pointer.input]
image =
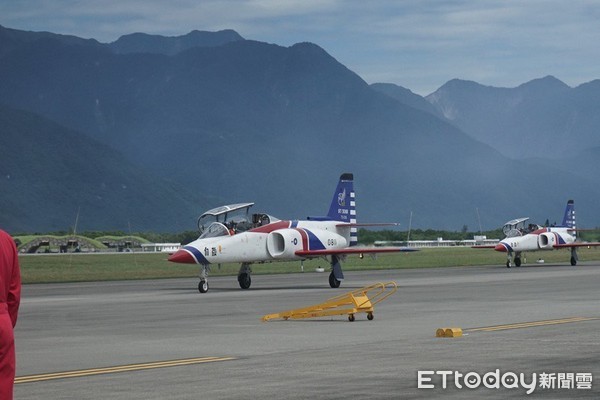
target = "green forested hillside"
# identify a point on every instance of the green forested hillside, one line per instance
(52, 178)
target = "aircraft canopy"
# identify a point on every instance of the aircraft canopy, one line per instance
(216, 213)
(214, 230)
(514, 227)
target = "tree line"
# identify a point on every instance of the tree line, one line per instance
(365, 236)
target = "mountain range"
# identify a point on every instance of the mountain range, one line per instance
(147, 132)
(542, 118)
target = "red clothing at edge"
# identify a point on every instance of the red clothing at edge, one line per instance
(10, 297)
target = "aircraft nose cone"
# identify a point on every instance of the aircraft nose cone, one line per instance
(183, 257)
(500, 247)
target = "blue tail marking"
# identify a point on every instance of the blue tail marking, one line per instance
(569, 218)
(342, 206)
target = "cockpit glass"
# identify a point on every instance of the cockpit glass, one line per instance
(214, 230)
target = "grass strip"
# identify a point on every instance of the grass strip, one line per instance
(79, 267)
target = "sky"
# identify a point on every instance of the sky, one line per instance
(417, 44)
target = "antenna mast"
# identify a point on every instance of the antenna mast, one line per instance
(409, 226)
(479, 220)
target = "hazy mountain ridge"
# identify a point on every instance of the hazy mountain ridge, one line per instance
(131, 43)
(13, 38)
(250, 121)
(144, 43)
(542, 118)
(49, 173)
(406, 96)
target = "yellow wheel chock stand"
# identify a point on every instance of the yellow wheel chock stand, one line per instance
(360, 300)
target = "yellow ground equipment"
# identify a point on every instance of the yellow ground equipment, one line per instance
(360, 300)
(449, 332)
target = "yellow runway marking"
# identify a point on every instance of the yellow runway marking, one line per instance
(531, 324)
(116, 369)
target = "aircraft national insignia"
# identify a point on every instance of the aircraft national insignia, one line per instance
(342, 198)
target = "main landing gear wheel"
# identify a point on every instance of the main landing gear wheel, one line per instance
(203, 286)
(508, 264)
(333, 282)
(370, 316)
(518, 261)
(573, 261)
(244, 280)
(351, 317)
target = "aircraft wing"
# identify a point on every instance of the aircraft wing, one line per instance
(578, 244)
(353, 225)
(353, 250)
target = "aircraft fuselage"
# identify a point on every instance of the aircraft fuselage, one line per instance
(276, 241)
(541, 239)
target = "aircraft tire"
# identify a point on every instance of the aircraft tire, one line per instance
(573, 261)
(508, 264)
(203, 286)
(244, 280)
(370, 316)
(334, 283)
(351, 317)
(518, 261)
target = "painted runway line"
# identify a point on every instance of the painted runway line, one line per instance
(531, 324)
(117, 369)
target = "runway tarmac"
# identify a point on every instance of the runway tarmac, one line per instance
(161, 339)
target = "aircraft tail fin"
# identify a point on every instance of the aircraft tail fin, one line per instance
(569, 218)
(343, 206)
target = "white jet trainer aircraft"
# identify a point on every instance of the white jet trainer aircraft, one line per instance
(520, 239)
(266, 239)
